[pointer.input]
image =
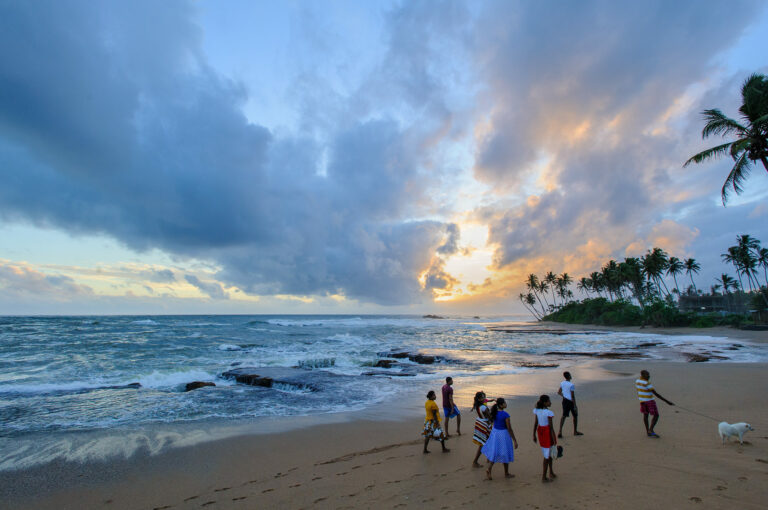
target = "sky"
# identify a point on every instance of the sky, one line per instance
(359, 157)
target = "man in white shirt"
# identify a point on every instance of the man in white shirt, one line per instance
(568, 392)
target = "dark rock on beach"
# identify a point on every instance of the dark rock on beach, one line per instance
(385, 363)
(531, 364)
(606, 355)
(133, 385)
(285, 378)
(422, 359)
(197, 384)
(430, 316)
(648, 344)
(694, 357)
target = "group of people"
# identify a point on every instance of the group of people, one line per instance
(493, 433)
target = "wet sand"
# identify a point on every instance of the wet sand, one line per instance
(372, 463)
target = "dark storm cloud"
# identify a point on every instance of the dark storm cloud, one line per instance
(112, 121)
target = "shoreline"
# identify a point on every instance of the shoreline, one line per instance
(717, 331)
(374, 458)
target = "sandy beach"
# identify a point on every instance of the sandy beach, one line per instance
(719, 331)
(368, 462)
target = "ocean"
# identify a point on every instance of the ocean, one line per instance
(71, 386)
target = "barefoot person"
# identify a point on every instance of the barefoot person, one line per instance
(450, 408)
(432, 429)
(646, 392)
(483, 424)
(501, 443)
(544, 431)
(568, 392)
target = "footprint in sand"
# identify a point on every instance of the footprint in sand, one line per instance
(222, 489)
(317, 478)
(267, 490)
(294, 486)
(162, 507)
(240, 498)
(695, 499)
(743, 478)
(720, 488)
(318, 500)
(369, 487)
(191, 498)
(762, 460)
(342, 473)
(208, 503)
(356, 467)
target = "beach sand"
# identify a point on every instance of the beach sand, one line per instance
(370, 463)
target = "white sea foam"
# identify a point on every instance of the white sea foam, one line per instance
(145, 322)
(173, 379)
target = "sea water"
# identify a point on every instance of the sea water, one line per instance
(64, 376)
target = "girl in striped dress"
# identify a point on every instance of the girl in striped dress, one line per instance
(482, 424)
(501, 443)
(544, 431)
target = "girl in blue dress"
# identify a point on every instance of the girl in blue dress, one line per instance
(501, 444)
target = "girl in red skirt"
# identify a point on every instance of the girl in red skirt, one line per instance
(544, 432)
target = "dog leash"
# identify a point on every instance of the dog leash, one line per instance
(696, 412)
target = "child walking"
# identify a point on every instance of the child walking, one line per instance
(501, 443)
(544, 431)
(482, 424)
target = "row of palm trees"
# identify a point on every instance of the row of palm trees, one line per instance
(642, 279)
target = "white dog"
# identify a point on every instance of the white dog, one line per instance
(727, 430)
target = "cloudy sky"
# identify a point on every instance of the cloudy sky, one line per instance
(358, 157)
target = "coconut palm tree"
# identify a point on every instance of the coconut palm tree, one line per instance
(751, 143)
(529, 304)
(533, 285)
(551, 279)
(674, 268)
(691, 266)
(762, 259)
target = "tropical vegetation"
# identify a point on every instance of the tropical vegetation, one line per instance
(646, 289)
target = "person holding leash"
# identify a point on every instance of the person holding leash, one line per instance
(646, 392)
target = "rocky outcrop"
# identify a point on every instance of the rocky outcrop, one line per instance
(194, 385)
(421, 359)
(284, 378)
(430, 316)
(607, 355)
(694, 357)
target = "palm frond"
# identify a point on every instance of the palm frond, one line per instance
(736, 178)
(711, 153)
(719, 124)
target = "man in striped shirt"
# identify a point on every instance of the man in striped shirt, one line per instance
(646, 392)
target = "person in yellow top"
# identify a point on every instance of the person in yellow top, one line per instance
(432, 429)
(645, 393)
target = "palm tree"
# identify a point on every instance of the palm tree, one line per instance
(529, 304)
(762, 259)
(551, 280)
(691, 266)
(674, 268)
(751, 144)
(727, 282)
(533, 285)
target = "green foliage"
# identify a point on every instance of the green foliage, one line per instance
(705, 321)
(760, 299)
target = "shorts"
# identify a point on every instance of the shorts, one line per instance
(451, 413)
(649, 407)
(568, 408)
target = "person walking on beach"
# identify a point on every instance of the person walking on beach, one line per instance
(483, 424)
(450, 408)
(432, 428)
(544, 431)
(501, 443)
(646, 392)
(568, 392)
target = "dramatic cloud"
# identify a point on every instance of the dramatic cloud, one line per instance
(112, 121)
(561, 127)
